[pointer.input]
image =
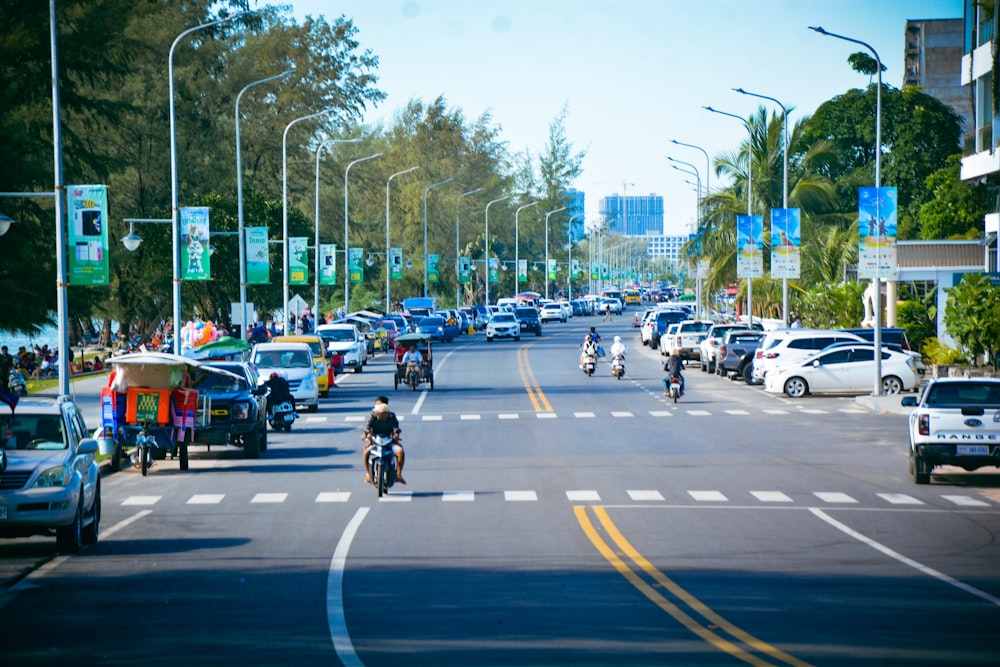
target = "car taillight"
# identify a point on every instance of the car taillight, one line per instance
(759, 354)
(722, 352)
(771, 355)
(924, 424)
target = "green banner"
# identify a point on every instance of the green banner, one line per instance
(327, 264)
(594, 275)
(195, 255)
(522, 270)
(464, 270)
(432, 268)
(493, 274)
(298, 260)
(258, 263)
(552, 269)
(575, 269)
(88, 234)
(396, 262)
(356, 266)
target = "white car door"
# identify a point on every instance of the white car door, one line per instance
(831, 372)
(860, 371)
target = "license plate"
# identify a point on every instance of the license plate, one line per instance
(972, 450)
(3, 511)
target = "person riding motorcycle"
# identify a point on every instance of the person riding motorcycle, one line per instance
(280, 391)
(673, 366)
(618, 348)
(383, 422)
(589, 350)
(413, 356)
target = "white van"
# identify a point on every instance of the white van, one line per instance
(294, 362)
(787, 345)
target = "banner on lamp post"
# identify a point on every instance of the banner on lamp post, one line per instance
(493, 272)
(356, 266)
(749, 247)
(258, 260)
(195, 256)
(327, 264)
(87, 209)
(396, 263)
(298, 260)
(464, 270)
(877, 233)
(432, 268)
(551, 269)
(786, 238)
(575, 269)
(522, 271)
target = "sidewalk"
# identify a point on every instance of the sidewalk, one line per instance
(886, 405)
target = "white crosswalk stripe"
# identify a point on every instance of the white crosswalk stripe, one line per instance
(645, 495)
(966, 501)
(899, 499)
(269, 498)
(771, 496)
(708, 496)
(206, 499)
(584, 415)
(588, 414)
(141, 500)
(458, 496)
(622, 414)
(699, 413)
(737, 412)
(583, 496)
(333, 497)
(830, 497)
(520, 496)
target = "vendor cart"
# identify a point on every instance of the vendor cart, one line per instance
(416, 375)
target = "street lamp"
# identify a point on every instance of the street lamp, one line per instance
(388, 304)
(426, 190)
(5, 223)
(877, 305)
(784, 190)
(694, 172)
(547, 215)
(746, 123)
(174, 199)
(284, 213)
(319, 151)
(708, 164)
(486, 245)
(569, 253)
(347, 247)
(239, 199)
(517, 263)
(458, 251)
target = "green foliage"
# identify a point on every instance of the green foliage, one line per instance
(972, 316)
(915, 319)
(832, 306)
(939, 353)
(956, 208)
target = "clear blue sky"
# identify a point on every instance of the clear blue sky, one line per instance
(634, 74)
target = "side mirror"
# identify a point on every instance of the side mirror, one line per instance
(909, 402)
(815, 363)
(87, 446)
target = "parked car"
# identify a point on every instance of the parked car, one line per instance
(668, 339)
(661, 320)
(345, 340)
(503, 325)
(712, 340)
(294, 362)
(688, 338)
(955, 421)
(51, 483)
(734, 357)
(321, 360)
(437, 328)
(529, 319)
(786, 345)
(843, 369)
(239, 409)
(552, 311)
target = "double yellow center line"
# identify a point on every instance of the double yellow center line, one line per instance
(530, 383)
(640, 573)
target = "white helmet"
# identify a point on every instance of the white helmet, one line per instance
(618, 339)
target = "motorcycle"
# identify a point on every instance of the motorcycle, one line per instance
(412, 375)
(589, 365)
(382, 462)
(16, 383)
(618, 366)
(675, 387)
(282, 415)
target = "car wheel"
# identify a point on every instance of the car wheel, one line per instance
(517, 338)
(919, 469)
(314, 407)
(796, 387)
(891, 385)
(538, 333)
(251, 445)
(704, 366)
(263, 437)
(358, 368)
(489, 339)
(70, 538)
(747, 374)
(89, 533)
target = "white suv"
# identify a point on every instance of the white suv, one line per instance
(788, 345)
(503, 325)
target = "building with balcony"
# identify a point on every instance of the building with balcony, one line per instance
(574, 202)
(933, 60)
(633, 215)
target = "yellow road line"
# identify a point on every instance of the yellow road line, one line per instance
(530, 383)
(682, 617)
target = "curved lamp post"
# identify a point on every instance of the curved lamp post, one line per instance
(426, 190)
(569, 253)
(784, 190)
(347, 247)
(708, 164)
(547, 215)
(877, 305)
(694, 172)
(239, 198)
(319, 151)
(388, 267)
(174, 200)
(517, 263)
(486, 244)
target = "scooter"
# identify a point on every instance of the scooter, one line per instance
(16, 383)
(675, 387)
(382, 462)
(282, 415)
(618, 366)
(589, 365)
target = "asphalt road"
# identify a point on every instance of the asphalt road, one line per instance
(549, 519)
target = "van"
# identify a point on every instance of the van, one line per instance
(787, 345)
(320, 360)
(294, 362)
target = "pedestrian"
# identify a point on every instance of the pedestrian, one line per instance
(6, 363)
(607, 311)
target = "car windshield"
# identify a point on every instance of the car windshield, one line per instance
(526, 312)
(338, 335)
(431, 322)
(283, 359)
(27, 431)
(503, 317)
(964, 394)
(214, 382)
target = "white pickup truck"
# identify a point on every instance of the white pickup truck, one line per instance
(955, 421)
(688, 338)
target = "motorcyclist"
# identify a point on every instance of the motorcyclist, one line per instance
(383, 422)
(618, 348)
(280, 391)
(413, 356)
(673, 366)
(589, 350)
